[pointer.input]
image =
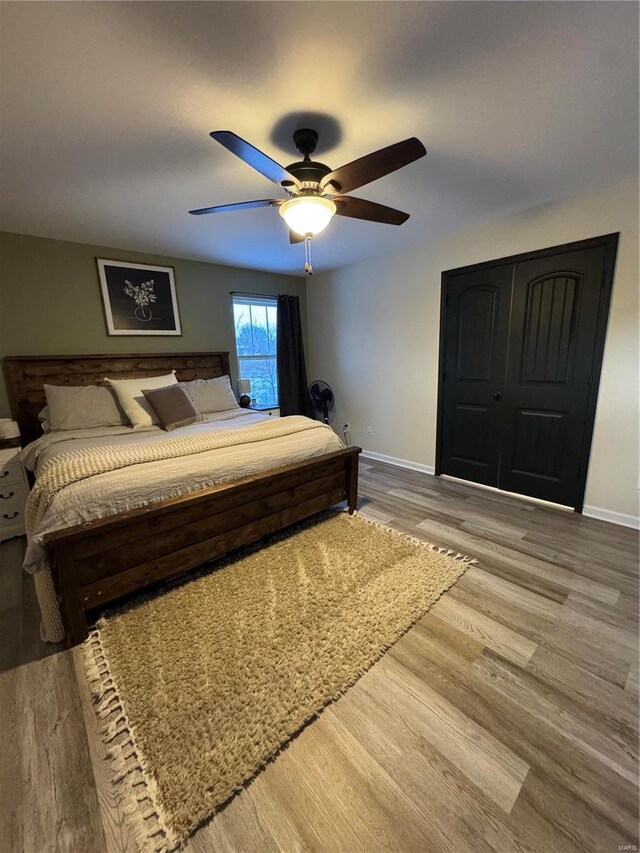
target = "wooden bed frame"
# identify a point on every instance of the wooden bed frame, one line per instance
(100, 561)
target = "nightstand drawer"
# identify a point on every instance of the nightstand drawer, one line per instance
(9, 491)
(11, 472)
(12, 503)
(272, 413)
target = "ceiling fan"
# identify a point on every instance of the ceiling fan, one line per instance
(316, 192)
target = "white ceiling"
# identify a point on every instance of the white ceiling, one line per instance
(107, 107)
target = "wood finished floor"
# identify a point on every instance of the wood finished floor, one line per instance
(505, 720)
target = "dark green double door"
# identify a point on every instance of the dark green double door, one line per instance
(521, 349)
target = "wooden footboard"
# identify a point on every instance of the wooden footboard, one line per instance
(100, 561)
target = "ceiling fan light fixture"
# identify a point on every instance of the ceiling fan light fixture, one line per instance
(307, 214)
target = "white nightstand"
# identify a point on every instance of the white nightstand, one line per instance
(13, 493)
(274, 413)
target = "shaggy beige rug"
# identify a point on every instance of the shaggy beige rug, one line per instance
(200, 685)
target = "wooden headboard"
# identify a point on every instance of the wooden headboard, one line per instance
(27, 374)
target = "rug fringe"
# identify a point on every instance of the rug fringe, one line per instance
(447, 552)
(132, 778)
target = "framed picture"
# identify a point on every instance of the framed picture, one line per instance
(138, 299)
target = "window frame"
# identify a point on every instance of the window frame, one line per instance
(254, 300)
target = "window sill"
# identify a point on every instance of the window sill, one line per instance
(264, 408)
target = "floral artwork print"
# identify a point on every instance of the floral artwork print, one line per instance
(138, 299)
(143, 295)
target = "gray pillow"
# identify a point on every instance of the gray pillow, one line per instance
(212, 395)
(83, 407)
(173, 406)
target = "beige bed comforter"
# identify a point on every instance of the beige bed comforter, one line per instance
(225, 447)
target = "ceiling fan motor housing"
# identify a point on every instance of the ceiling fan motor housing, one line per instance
(309, 173)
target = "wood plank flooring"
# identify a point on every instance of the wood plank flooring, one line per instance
(505, 720)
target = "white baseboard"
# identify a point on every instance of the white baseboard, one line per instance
(591, 511)
(612, 517)
(401, 463)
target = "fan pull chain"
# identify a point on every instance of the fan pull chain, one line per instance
(307, 254)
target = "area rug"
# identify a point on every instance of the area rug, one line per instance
(200, 685)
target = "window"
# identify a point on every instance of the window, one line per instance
(255, 325)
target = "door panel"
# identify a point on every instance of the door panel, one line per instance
(552, 304)
(477, 318)
(538, 443)
(475, 350)
(471, 436)
(553, 327)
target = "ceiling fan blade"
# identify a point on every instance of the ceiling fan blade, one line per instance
(295, 238)
(373, 166)
(360, 208)
(254, 157)
(239, 205)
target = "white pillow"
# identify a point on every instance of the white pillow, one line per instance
(81, 407)
(43, 417)
(133, 401)
(211, 395)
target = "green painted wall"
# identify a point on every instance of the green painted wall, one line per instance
(50, 301)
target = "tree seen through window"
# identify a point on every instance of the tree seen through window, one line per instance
(255, 327)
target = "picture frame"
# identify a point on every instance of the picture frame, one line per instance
(138, 299)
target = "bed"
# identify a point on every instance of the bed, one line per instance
(118, 532)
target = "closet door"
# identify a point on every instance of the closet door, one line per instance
(473, 366)
(521, 346)
(550, 372)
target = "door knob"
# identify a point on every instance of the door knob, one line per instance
(497, 395)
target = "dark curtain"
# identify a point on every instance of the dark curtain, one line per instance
(292, 373)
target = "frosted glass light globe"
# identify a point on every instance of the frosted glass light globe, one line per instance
(307, 214)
